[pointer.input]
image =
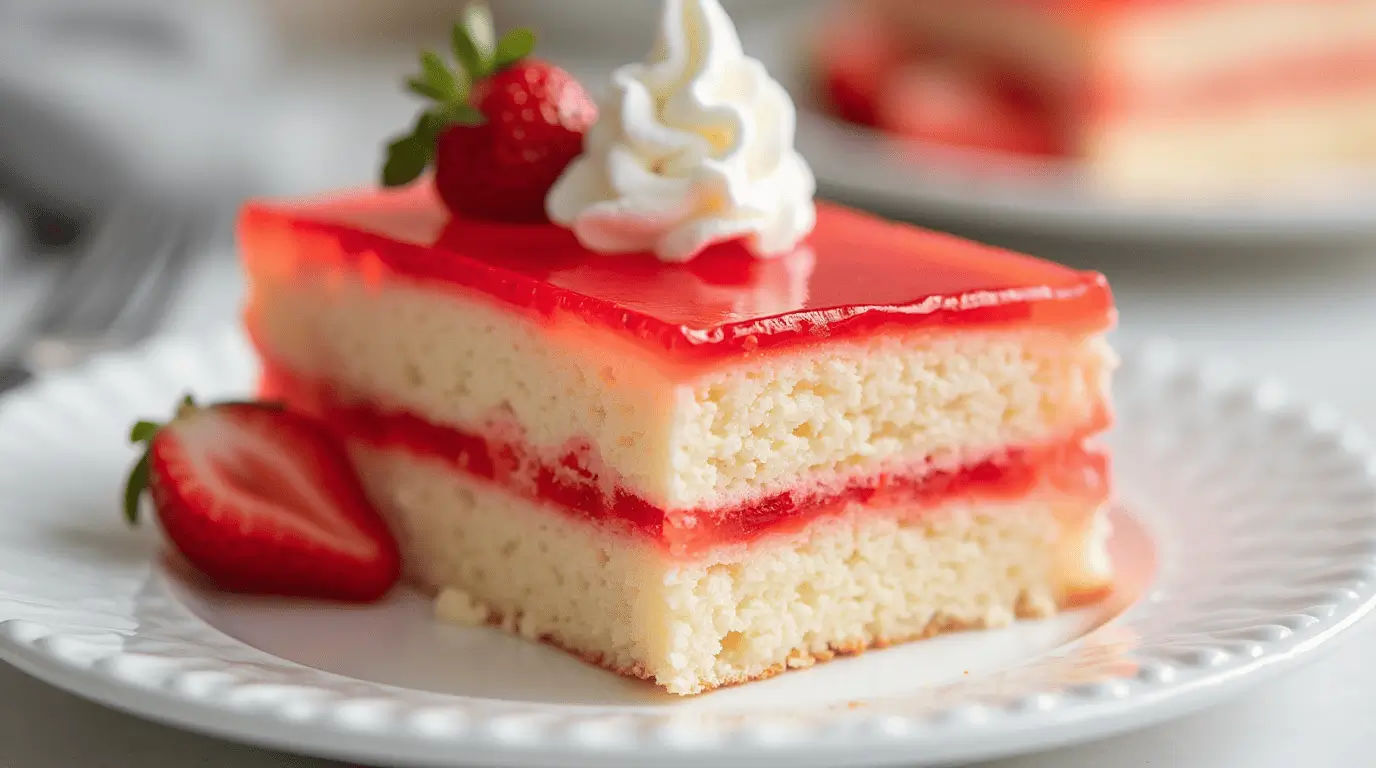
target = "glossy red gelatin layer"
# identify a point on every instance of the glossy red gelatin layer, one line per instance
(1069, 468)
(856, 275)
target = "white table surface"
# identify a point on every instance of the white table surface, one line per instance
(1308, 319)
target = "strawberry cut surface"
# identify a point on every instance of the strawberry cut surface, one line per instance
(264, 501)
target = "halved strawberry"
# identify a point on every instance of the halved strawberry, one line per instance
(263, 501)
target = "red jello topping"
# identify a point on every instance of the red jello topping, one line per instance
(855, 275)
(569, 485)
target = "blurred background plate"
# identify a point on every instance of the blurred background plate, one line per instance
(956, 188)
(1002, 195)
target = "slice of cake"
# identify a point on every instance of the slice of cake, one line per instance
(1156, 98)
(700, 430)
(702, 474)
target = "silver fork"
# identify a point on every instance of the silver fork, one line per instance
(115, 294)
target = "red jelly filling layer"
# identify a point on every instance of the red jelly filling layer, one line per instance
(1068, 468)
(856, 274)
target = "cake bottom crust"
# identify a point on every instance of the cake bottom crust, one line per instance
(459, 608)
(865, 578)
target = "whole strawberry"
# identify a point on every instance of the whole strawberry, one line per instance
(261, 500)
(502, 129)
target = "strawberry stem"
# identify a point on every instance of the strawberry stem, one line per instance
(479, 55)
(187, 408)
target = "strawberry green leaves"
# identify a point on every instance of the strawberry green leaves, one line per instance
(407, 159)
(133, 489)
(143, 433)
(437, 81)
(518, 44)
(479, 55)
(474, 40)
(409, 156)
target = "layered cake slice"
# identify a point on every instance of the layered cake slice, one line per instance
(702, 474)
(1156, 98)
(698, 429)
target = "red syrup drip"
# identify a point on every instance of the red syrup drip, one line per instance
(1069, 468)
(856, 275)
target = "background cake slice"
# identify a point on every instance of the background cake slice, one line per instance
(701, 474)
(1204, 96)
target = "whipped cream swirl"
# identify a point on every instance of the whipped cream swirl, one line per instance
(694, 148)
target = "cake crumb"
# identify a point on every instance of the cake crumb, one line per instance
(526, 627)
(798, 660)
(458, 607)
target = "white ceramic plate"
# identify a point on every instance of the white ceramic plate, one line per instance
(1247, 540)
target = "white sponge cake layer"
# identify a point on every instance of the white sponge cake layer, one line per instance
(680, 438)
(863, 579)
